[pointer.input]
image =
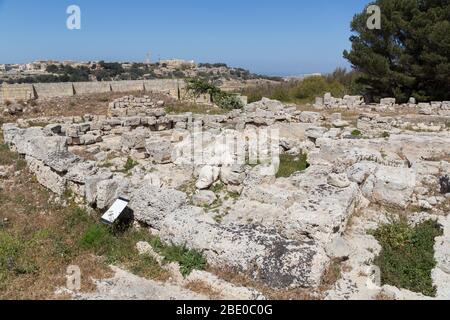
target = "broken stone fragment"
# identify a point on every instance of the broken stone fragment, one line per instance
(160, 151)
(232, 175)
(92, 182)
(151, 204)
(340, 124)
(338, 249)
(204, 198)
(338, 180)
(46, 177)
(207, 176)
(391, 186)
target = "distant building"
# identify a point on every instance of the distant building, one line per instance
(178, 63)
(302, 76)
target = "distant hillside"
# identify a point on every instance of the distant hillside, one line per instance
(218, 73)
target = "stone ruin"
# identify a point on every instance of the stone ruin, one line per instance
(282, 231)
(386, 105)
(348, 102)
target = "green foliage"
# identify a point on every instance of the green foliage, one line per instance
(291, 164)
(97, 237)
(227, 101)
(12, 257)
(189, 260)
(197, 87)
(338, 83)
(8, 158)
(356, 133)
(129, 165)
(217, 188)
(348, 79)
(312, 87)
(409, 56)
(407, 256)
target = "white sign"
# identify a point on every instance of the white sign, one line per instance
(115, 211)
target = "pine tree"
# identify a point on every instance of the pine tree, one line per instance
(409, 56)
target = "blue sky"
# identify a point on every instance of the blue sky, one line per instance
(282, 37)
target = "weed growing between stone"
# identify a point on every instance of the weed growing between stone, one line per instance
(291, 164)
(407, 258)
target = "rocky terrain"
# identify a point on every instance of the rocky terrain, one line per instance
(228, 186)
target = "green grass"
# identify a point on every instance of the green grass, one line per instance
(129, 165)
(31, 254)
(119, 248)
(407, 256)
(12, 257)
(8, 158)
(189, 260)
(356, 133)
(291, 164)
(217, 188)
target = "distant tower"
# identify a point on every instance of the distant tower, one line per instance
(148, 58)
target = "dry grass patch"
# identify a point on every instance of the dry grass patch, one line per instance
(239, 279)
(185, 107)
(78, 105)
(204, 289)
(331, 275)
(41, 237)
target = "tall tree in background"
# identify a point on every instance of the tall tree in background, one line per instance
(409, 56)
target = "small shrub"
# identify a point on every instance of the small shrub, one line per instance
(189, 260)
(385, 134)
(129, 165)
(291, 164)
(407, 256)
(98, 238)
(13, 257)
(227, 101)
(7, 157)
(147, 267)
(217, 188)
(356, 133)
(312, 87)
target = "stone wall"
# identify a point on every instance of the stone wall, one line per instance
(124, 86)
(15, 92)
(91, 87)
(53, 90)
